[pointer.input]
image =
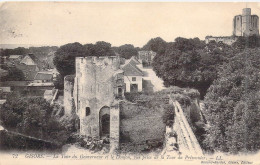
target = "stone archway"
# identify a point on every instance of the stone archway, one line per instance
(104, 121)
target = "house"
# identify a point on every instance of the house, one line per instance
(28, 60)
(4, 91)
(1, 103)
(43, 77)
(3, 59)
(54, 72)
(29, 71)
(3, 73)
(48, 95)
(146, 57)
(15, 57)
(133, 76)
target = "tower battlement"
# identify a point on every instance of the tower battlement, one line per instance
(104, 61)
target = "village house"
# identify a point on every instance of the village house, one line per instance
(54, 72)
(133, 76)
(26, 64)
(3, 59)
(43, 77)
(28, 60)
(15, 58)
(3, 72)
(48, 95)
(4, 91)
(29, 71)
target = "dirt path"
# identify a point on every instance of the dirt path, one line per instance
(155, 80)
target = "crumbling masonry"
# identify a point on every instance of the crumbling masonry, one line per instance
(98, 91)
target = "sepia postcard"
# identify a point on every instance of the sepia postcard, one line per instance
(129, 83)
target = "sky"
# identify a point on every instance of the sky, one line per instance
(59, 23)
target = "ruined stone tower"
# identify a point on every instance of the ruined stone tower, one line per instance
(246, 24)
(98, 90)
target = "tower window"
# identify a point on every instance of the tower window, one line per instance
(133, 78)
(87, 111)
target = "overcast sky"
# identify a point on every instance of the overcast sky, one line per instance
(57, 23)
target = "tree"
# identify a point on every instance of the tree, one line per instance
(186, 63)
(184, 44)
(250, 42)
(32, 116)
(102, 48)
(157, 45)
(14, 74)
(59, 82)
(64, 59)
(232, 105)
(127, 51)
(15, 51)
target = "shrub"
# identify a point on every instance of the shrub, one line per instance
(168, 115)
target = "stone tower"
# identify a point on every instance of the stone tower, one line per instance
(246, 24)
(98, 90)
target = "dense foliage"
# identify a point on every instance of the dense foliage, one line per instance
(126, 51)
(32, 116)
(157, 45)
(190, 62)
(16, 51)
(13, 74)
(141, 110)
(64, 59)
(249, 42)
(232, 105)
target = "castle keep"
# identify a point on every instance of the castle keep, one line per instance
(243, 25)
(246, 24)
(98, 90)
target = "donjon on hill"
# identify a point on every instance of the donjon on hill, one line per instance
(244, 25)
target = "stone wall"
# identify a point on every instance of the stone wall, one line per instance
(224, 39)
(68, 95)
(187, 141)
(237, 25)
(114, 126)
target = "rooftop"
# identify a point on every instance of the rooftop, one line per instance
(29, 71)
(130, 69)
(41, 84)
(2, 102)
(43, 76)
(15, 56)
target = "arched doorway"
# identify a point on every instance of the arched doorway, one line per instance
(104, 121)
